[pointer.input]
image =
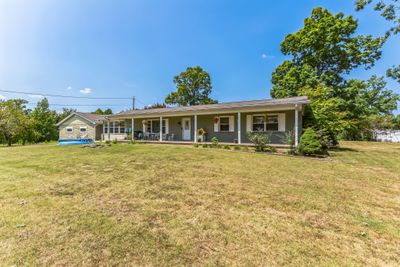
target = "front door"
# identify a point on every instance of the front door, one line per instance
(186, 129)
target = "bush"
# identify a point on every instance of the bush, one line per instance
(115, 141)
(327, 139)
(259, 140)
(309, 143)
(219, 146)
(108, 142)
(214, 141)
(227, 147)
(205, 145)
(246, 148)
(196, 145)
(236, 147)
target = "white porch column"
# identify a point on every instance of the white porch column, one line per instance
(239, 130)
(161, 129)
(133, 129)
(296, 126)
(104, 132)
(108, 132)
(195, 128)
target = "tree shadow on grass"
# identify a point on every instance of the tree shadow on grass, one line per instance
(343, 149)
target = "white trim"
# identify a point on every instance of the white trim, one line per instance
(183, 129)
(239, 129)
(296, 127)
(216, 124)
(249, 123)
(195, 128)
(133, 129)
(281, 122)
(71, 115)
(212, 112)
(161, 125)
(229, 124)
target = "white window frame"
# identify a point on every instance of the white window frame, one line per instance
(69, 129)
(82, 127)
(265, 121)
(252, 122)
(219, 124)
(149, 124)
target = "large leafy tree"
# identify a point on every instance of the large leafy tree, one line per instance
(44, 122)
(13, 120)
(324, 50)
(65, 113)
(390, 11)
(322, 53)
(193, 87)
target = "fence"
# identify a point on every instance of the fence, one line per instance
(388, 136)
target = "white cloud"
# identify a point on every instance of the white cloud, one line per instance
(2, 97)
(85, 91)
(265, 56)
(36, 96)
(69, 88)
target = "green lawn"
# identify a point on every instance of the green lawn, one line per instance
(165, 205)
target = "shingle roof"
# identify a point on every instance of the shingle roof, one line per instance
(219, 106)
(91, 117)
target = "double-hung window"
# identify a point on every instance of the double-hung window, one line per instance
(272, 123)
(224, 124)
(258, 123)
(153, 126)
(262, 123)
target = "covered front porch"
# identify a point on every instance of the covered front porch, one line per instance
(227, 127)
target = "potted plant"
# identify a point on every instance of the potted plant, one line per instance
(201, 135)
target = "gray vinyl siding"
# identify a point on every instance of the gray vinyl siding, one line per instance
(207, 122)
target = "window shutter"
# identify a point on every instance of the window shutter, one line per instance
(249, 119)
(216, 126)
(144, 126)
(166, 126)
(231, 123)
(281, 122)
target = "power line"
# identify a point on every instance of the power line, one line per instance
(81, 105)
(64, 96)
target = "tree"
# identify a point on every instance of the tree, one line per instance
(13, 120)
(193, 88)
(322, 53)
(65, 113)
(309, 144)
(324, 50)
(108, 112)
(44, 122)
(156, 105)
(99, 111)
(388, 10)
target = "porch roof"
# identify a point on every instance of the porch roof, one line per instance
(241, 105)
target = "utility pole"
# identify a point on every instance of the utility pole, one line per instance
(133, 103)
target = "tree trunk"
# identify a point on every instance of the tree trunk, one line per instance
(9, 142)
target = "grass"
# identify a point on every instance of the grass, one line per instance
(165, 205)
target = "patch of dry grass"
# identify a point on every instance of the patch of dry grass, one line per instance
(179, 205)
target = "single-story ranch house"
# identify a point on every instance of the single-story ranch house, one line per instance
(229, 122)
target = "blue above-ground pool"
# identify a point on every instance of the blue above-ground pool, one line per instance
(65, 142)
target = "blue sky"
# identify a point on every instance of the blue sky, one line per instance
(134, 48)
